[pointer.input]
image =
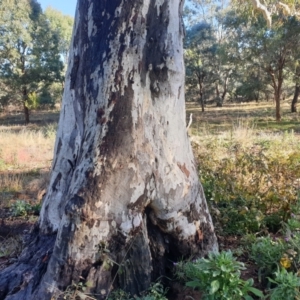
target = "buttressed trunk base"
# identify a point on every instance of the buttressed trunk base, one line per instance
(124, 199)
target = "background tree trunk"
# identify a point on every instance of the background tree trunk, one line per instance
(277, 105)
(295, 98)
(201, 97)
(25, 108)
(124, 190)
(218, 99)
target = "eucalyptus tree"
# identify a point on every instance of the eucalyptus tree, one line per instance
(199, 51)
(249, 77)
(269, 8)
(208, 54)
(271, 49)
(29, 53)
(62, 25)
(277, 47)
(124, 199)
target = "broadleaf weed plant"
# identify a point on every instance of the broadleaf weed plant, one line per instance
(218, 277)
(22, 209)
(267, 252)
(286, 285)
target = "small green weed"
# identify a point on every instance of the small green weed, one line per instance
(286, 285)
(218, 277)
(266, 253)
(22, 209)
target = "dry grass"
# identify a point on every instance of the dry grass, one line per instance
(11, 182)
(261, 116)
(25, 160)
(11, 246)
(22, 148)
(245, 134)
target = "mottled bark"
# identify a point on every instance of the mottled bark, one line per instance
(124, 190)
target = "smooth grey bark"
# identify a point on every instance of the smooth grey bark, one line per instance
(124, 190)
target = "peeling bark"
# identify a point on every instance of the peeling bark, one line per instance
(263, 8)
(124, 191)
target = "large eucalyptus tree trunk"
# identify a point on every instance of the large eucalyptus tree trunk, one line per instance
(124, 191)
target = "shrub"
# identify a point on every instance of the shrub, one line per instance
(286, 285)
(218, 277)
(267, 253)
(250, 182)
(21, 208)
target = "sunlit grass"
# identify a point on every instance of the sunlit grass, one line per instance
(11, 182)
(25, 148)
(251, 175)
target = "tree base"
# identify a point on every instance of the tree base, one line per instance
(129, 264)
(20, 280)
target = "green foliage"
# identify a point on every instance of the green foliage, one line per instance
(200, 50)
(22, 209)
(250, 60)
(249, 186)
(62, 25)
(270, 253)
(210, 59)
(286, 285)
(32, 101)
(218, 277)
(266, 253)
(29, 53)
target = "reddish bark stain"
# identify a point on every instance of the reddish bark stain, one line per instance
(184, 169)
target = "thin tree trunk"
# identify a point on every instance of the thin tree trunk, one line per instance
(277, 85)
(219, 100)
(295, 98)
(124, 193)
(25, 107)
(200, 81)
(277, 106)
(278, 95)
(224, 90)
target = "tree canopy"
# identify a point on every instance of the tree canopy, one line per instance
(31, 45)
(250, 60)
